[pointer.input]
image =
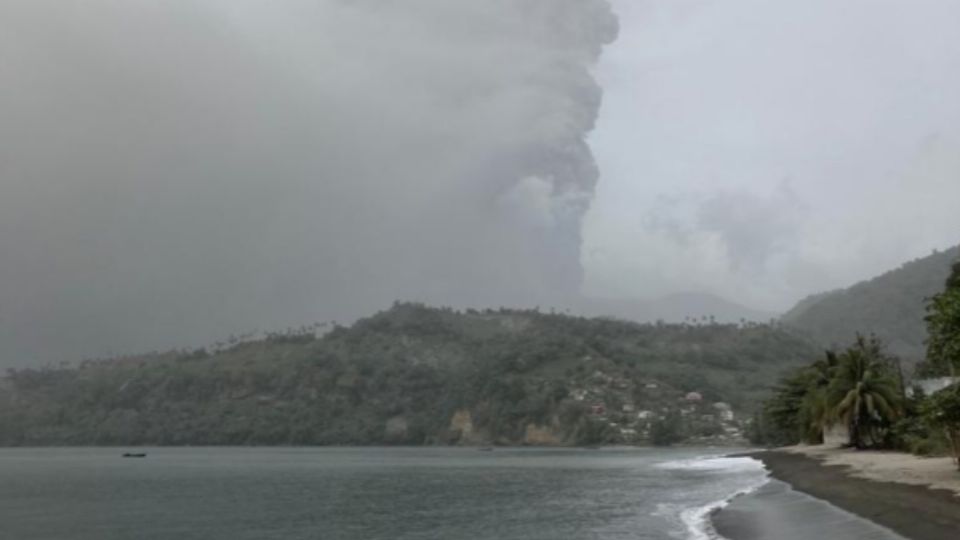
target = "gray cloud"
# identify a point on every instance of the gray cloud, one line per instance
(753, 228)
(173, 172)
(750, 227)
(709, 105)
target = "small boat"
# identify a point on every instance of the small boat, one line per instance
(134, 454)
(486, 449)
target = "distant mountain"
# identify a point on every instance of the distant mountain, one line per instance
(418, 375)
(892, 306)
(675, 308)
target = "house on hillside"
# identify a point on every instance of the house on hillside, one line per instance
(724, 410)
(836, 435)
(600, 377)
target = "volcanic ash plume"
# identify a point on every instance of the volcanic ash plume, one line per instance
(177, 171)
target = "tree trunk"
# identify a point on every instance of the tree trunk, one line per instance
(855, 435)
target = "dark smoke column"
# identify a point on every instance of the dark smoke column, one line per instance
(539, 177)
(176, 172)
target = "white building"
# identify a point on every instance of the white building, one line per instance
(836, 435)
(932, 386)
(724, 411)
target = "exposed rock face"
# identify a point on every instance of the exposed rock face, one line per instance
(541, 436)
(396, 429)
(461, 428)
(462, 421)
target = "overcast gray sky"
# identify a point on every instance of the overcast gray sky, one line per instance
(172, 172)
(767, 150)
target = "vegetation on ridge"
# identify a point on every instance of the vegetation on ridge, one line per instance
(891, 306)
(417, 375)
(943, 321)
(943, 324)
(862, 390)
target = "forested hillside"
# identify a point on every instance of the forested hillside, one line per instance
(417, 375)
(892, 306)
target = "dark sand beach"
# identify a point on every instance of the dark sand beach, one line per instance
(912, 511)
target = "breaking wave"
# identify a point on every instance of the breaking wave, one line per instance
(696, 519)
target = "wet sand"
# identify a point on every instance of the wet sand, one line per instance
(915, 512)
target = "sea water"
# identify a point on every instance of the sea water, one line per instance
(367, 493)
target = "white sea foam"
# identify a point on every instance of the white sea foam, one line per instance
(698, 522)
(696, 519)
(714, 463)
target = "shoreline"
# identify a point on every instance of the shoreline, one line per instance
(900, 504)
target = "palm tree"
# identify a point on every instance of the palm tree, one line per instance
(800, 405)
(863, 393)
(815, 414)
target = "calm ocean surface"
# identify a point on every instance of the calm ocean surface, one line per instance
(367, 494)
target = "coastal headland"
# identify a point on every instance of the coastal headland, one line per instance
(915, 497)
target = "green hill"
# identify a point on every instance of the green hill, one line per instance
(892, 306)
(415, 375)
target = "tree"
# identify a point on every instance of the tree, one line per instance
(666, 431)
(800, 407)
(864, 393)
(943, 325)
(783, 414)
(943, 411)
(815, 413)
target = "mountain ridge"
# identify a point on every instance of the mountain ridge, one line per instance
(418, 375)
(676, 308)
(891, 305)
